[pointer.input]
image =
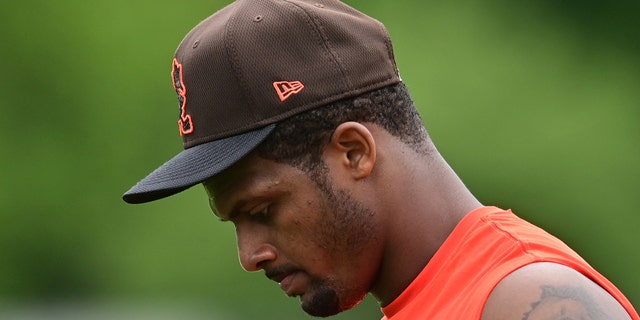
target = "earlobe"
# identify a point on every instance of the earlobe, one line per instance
(355, 146)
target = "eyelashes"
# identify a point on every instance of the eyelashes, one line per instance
(260, 213)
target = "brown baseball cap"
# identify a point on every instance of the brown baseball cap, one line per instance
(254, 63)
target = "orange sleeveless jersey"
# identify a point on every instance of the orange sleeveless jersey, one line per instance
(487, 245)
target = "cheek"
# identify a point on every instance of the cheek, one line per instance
(304, 231)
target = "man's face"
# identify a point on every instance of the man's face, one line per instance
(322, 246)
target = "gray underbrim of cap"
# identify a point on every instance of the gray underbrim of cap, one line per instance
(195, 165)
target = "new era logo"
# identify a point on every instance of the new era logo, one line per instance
(286, 88)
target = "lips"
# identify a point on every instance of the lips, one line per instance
(285, 278)
(287, 284)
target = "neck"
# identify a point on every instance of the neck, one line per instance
(426, 203)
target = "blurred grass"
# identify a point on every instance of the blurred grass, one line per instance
(535, 104)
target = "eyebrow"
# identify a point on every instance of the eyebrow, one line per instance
(247, 191)
(240, 206)
(234, 211)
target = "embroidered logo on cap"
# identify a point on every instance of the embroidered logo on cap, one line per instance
(184, 123)
(286, 88)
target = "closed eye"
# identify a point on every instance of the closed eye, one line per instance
(260, 213)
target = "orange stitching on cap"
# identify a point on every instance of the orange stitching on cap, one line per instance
(286, 88)
(184, 123)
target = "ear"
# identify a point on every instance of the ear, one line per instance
(354, 148)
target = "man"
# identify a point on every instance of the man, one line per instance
(295, 119)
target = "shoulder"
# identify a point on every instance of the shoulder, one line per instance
(546, 290)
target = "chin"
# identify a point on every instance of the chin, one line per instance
(325, 303)
(321, 304)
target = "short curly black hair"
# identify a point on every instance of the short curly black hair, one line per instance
(299, 140)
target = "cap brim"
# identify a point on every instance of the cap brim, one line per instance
(195, 165)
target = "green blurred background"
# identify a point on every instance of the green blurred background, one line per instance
(534, 103)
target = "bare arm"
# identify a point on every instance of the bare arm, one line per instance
(550, 291)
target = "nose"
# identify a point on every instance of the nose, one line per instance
(253, 251)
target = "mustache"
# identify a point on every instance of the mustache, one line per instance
(280, 272)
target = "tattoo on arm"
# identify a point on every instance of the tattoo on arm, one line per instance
(564, 303)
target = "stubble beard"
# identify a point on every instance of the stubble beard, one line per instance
(349, 228)
(328, 299)
(323, 303)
